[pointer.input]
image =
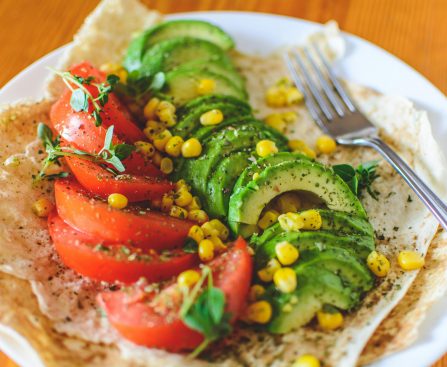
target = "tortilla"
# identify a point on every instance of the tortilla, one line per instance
(55, 309)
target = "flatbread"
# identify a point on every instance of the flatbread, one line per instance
(62, 321)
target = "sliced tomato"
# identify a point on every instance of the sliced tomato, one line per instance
(152, 319)
(85, 255)
(134, 226)
(101, 182)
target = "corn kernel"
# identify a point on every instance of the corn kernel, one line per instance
(174, 146)
(255, 176)
(167, 201)
(255, 292)
(161, 139)
(311, 219)
(266, 147)
(291, 222)
(145, 148)
(293, 96)
(266, 274)
(152, 129)
(195, 204)
(212, 117)
(270, 217)
(288, 202)
(167, 116)
(285, 280)
(259, 312)
(198, 216)
(116, 69)
(326, 145)
(178, 212)
(191, 148)
(117, 201)
(276, 121)
(218, 243)
(378, 264)
(209, 230)
(283, 95)
(42, 207)
(410, 260)
(329, 321)
(306, 360)
(181, 184)
(188, 278)
(289, 116)
(150, 108)
(222, 230)
(196, 233)
(166, 165)
(206, 250)
(300, 146)
(286, 253)
(156, 159)
(206, 86)
(165, 105)
(182, 197)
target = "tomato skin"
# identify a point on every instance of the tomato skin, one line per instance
(76, 250)
(137, 321)
(100, 182)
(151, 230)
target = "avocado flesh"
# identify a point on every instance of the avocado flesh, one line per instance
(340, 222)
(316, 287)
(208, 99)
(221, 183)
(181, 85)
(247, 203)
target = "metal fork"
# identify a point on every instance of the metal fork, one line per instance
(336, 114)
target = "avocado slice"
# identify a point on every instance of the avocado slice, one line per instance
(247, 203)
(360, 246)
(169, 54)
(316, 288)
(339, 222)
(221, 182)
(212, 99)
(181, 85)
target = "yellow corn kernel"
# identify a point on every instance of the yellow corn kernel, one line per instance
(266, 147)
(182, 197)
(42, 207)
(167, 116)
(212, 117)
(145, 148)
(218, 243)
(178, 212)
(288, 202)
(276, 121)
(326, 145)
(181, 184)
(259, 312)
(293, 96)
(256, 291)
(329, 321)
(152, 129)
(300, 146)
(167, 201)
(117, 201)
(206, 250)
(122, 75)
(150, 108)
(306, 360)
(255, 176)
(191, 148)
(209, 230)
(285, 280)
(174, 146)
(378, 264)
(410, 260)
(222, 230)
(166, 165)
(270, 217)
(161, 139)
(196, 233)
(188, 278)
(156, 159)
(266, 274)
(165, 105)
(195, 204)
(291, 222)
(206, 86)
(286, 253)
(113, 68)
(289, 116)
(198, 216)
(311, 219)
(283, 95)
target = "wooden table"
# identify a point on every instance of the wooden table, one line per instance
(413, 30)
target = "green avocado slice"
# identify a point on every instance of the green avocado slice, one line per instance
(208, 99)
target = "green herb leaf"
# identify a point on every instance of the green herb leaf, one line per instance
(360, 178)
(123, 151)
(79, 100)
(345, 171)
(190, 246)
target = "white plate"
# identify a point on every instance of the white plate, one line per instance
(364, 63)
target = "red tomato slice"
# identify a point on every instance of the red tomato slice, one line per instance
(131, 226)
(101, 182)
(82, 253)
(152, 320)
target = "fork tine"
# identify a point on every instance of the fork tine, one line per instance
(325, 85)
(313, 87)
(313, 109)
(341, 91)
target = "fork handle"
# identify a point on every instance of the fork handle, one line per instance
(428, 197)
